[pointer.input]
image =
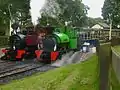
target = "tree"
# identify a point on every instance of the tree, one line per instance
(44, 20)
(111, 10)
(73, 11)
(19, 11)
(93, 21)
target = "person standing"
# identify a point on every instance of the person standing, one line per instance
(41, 36)
(40, 40)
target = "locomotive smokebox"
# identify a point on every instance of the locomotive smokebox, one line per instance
(17, 41)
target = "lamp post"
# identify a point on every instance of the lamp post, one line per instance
(10, 11)
(110, 32)
(66, 23)
(10, 18)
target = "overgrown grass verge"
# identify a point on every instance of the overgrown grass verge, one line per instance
(114, 81)
(3, 41)
(117, 49)
(81, 76)
(115, 84)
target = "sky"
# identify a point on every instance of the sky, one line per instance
(36, 6)
(94, 5)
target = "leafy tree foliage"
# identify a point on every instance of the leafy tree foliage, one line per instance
(62, 11)
(111, 10)
(19, 11)
(44, 20)
(93, 21)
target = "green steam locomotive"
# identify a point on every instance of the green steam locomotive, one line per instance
(56, 42)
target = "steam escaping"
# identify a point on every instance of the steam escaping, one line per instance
(74, 57)
(51, 8)
(36, 6)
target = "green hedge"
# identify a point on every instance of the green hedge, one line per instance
(115, 41)
(4, 41)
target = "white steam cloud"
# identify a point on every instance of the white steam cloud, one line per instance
(36, 6)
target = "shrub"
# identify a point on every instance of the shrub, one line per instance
(4, 40)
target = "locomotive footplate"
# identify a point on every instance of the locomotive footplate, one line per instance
(13, 55)
(45, 56)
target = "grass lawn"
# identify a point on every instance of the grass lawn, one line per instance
(117, 49)
(72, 77)
(114, 81)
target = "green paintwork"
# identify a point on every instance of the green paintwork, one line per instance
(72, 34)
(60, 30)
(67, 33)
(73, 44)
(62, 38)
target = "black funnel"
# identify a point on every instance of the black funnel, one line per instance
(15, 26)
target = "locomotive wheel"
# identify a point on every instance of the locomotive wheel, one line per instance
(60, 56)
(29, 56)
(64, 50)
(75, 50)
(20, 59)
(48, 61)
(45, 61)
(4, 57)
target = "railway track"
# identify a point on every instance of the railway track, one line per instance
(11, 71)
(18, 70)
(21, 71)
(5, 65)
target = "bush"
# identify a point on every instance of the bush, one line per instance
(4, 40)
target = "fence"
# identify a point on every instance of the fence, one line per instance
(104, 58)
(101, 34)
(115, 58)
(108, 58)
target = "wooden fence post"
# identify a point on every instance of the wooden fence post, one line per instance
(104, 57)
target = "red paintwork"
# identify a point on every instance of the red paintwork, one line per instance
(31, 40)
(8, 56)
(4, 51)
(20, 53)
(38, 53)
(54, 55)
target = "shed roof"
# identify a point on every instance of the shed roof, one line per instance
(104, 25)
